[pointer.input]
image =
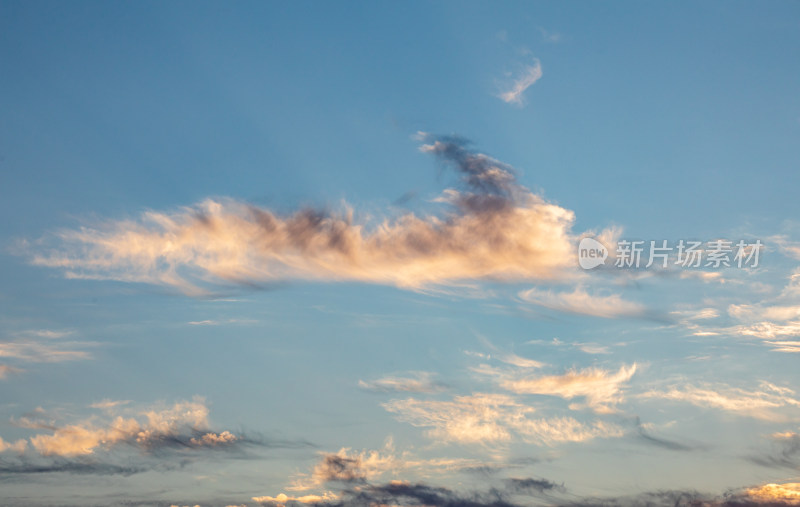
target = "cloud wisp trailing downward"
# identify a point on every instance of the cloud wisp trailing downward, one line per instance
(513, 93)
(490, 228)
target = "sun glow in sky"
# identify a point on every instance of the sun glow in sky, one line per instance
(317, 253)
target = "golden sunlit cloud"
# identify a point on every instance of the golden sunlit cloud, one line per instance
(495, 230)
(602, 389)
(788, 494)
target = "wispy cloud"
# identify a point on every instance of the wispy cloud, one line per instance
(784, 452)
(760, 404)
(579, 301)
(519, 361)
(492, 228)
(550, 36)
(5, 370)
(43, 346)
(493, 418)
(415, 382)
(513, 92)
(602, 389)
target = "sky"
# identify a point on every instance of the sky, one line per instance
(411, 253)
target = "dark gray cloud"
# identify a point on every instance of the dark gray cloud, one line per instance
(12, 469)
(664, 443)
(784, 453)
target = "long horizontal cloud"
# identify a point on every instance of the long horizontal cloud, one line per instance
(492, 228)
(42, 346)
(515, 492)
(579, 301)
(414, 382)
(183, 425)
(761, 404)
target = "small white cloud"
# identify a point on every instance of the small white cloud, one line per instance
(580, 301)
(514, 92)
(414, 382)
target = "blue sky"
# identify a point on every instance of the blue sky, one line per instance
(275, 253)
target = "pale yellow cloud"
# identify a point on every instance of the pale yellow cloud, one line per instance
(493, 418)
(348, 465)
(19, 446)
(519, 361)
(414, 382)
(602, 389)
(761, 404)
(185, 420)
(47, 350)
(282, 500)
(579, 301)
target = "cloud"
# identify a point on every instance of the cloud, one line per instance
(581, 302)
(19, 446)
(42, 346)
(417, 382)
(348, 466)
(283, 500)
(521, 362)
(760, 404)
(407, 493)
(551, 37)
(5, 370)
(776, 320)
(12, 469)
(787, 247)
(785, 452)
(788, 494)
(601, 389)
(127, 442)
(107, 404)
(645, 436)
(513, 94)
(492, 228)
(493, 418)
(183, 425)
